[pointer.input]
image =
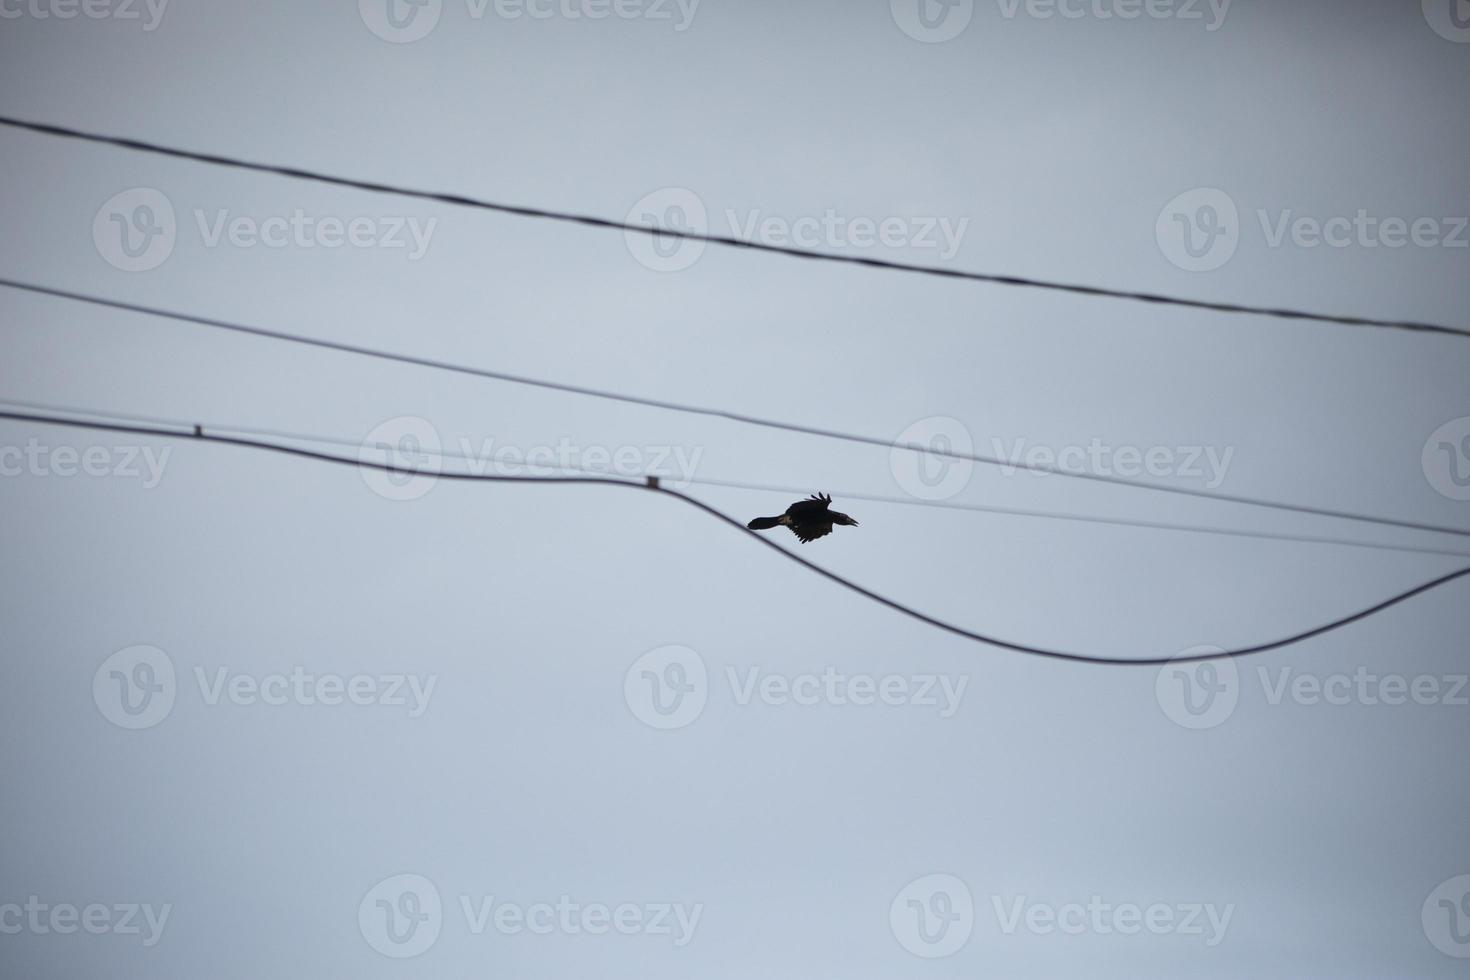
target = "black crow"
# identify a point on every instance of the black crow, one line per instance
(808, 519)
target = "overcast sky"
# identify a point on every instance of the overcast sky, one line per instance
(600, 734)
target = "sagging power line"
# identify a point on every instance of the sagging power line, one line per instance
(85, 414)
(199, 434)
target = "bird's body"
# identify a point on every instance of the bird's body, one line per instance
(808, 519)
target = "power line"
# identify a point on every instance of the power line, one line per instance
(202, 435)
(742, 418)
(1088, 519)
(230, 428)
(461, 200)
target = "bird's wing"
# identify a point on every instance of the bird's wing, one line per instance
(806, 509)
(811, 531)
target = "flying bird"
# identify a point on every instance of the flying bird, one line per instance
(808, 519)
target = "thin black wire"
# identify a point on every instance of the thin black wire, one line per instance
(592, 221)
(1087, 519)
(764, 487)
(744, 419)
(200, 434)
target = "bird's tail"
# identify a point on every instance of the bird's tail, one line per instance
(764, 523)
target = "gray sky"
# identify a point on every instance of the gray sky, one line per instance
(1281, 835)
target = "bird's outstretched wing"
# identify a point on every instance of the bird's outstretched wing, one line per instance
(811, 531)
(809, 508)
